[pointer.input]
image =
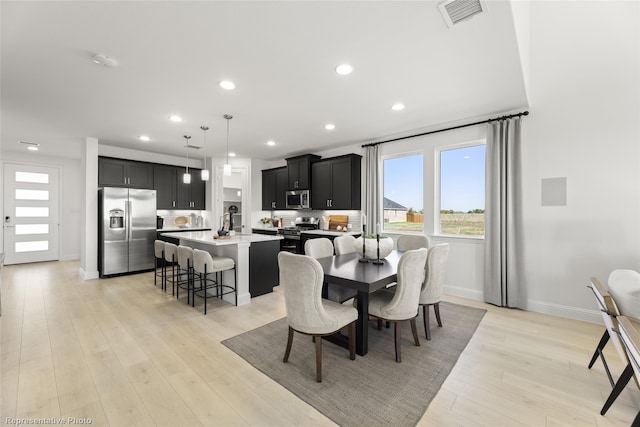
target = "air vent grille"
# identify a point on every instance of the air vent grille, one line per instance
(456, 11)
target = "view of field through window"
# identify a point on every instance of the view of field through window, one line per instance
(462, 178)
(403, 208)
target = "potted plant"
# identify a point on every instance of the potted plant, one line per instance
(371, 246)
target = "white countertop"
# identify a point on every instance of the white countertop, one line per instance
(206, 237)
(181, 229)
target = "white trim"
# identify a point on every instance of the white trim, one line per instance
(576, 313)
(457, 291)
(87, 276)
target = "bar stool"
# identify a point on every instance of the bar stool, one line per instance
(204, 265)
(185, 266)
(158, 248)
(170, 255)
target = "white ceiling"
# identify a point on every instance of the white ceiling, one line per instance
(281, 55)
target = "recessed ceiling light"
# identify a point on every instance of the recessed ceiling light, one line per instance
(271, 143)
(144, 138)
(32, 148)
(344, 69)
(232, 154)
(227, 84)
(330, 126)
(174, 118)
(397, 107)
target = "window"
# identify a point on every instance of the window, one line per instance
(403, 208)
(462, 172)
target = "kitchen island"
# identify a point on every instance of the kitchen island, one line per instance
(255, 255)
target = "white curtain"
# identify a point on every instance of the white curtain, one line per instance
(372, 188)
(503, 276)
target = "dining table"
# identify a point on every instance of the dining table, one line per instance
(348, 271)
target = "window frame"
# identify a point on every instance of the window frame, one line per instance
(438, 187)
(408, 153)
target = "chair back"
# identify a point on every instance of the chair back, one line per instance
(170, 251)
(158, 248)
(344, 244)
(630, 337)
(318, 248)
(624, 287)
(202, 259)
(609, 311)
(185, 256)
(411, 269)
(435, 269)
(408, 242)
(301, 278)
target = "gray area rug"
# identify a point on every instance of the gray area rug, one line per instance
(372, 390)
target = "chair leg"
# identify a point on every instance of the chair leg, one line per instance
(622, 382)
(205, 289)
(352, 341)
(397, 332)
(436, 308)
(414, 330)
(636, 421)
(425, 319)
(319, 359)
(380, 324)
(601, 344)
(289, 342)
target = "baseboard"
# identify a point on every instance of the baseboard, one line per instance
(69, 257)
(87, 275)
(569, 312)
(576, 313)
(463, 292)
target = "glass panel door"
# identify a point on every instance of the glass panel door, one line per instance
(31, 210)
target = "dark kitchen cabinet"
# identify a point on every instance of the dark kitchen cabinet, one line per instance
(336, 183)
(124, 173)
(299, 171)
(172, 193)
(274, 187)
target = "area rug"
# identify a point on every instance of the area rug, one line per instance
(372, 390)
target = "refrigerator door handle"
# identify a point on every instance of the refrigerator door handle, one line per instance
(128, 216)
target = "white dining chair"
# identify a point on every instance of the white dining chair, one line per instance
(308, 313)
(431, 291)
(407, 242)
(321, 248)
(344, 244)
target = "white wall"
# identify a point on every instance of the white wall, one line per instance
(70, 197)
(584, 125)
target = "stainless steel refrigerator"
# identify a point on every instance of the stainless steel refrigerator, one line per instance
(126, 230)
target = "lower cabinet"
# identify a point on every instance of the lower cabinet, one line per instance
(263, 267)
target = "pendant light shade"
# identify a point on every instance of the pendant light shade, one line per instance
(204, 173)
(226, 170)
(186, 177)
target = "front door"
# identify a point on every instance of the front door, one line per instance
(31, 211)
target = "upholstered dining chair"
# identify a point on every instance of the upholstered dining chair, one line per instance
(608, 306)
(407, 242)
(321, 248)
(344, 244)
(431, 291)
(402, 304)
(308, 313)
(318, 248)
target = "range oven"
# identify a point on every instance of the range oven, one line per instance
(291, 241)
(298, 199)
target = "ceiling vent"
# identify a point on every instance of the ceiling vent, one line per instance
(456, 11)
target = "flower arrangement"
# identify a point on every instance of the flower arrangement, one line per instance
(265, 220)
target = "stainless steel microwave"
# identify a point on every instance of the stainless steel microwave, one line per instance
(298, 199)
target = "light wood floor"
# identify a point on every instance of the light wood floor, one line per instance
(122, 352)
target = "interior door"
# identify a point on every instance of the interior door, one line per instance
(31, 213)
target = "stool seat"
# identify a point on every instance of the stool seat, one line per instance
(220, 263)
(205, 264)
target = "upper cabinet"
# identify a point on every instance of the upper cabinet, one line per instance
(124, 173)
(274, 187)
(335, 183)
(172, 193)
(299, 171)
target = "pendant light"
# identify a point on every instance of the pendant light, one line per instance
(227, 167)
(186, 177)
(204, 173)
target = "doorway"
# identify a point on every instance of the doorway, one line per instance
(31, 213)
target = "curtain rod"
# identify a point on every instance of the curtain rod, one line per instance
(524, 113)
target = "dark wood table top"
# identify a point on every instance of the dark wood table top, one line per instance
(346, 270)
